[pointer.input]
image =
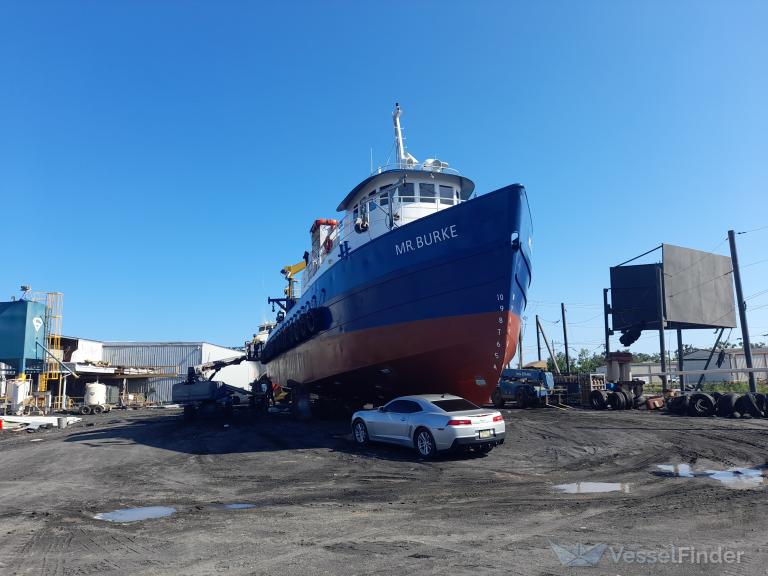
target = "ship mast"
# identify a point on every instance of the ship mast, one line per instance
(403, 157)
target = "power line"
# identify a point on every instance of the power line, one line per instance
(756, 294)
(753, 230)
(753, 263)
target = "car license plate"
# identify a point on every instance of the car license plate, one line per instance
(485, 433)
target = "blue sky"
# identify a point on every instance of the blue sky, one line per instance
(160, 161)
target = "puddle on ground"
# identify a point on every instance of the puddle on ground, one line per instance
(135, 514)
(234, 506)
(592, 487)
(735, 478)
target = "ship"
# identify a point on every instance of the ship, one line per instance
(418, 288)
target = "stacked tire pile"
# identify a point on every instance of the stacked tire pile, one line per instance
(729, 405)
(615, 400)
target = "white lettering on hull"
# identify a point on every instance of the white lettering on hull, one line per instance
(428, 239)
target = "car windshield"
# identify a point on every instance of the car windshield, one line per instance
(455, 405)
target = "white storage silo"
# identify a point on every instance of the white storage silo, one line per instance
(95, 394)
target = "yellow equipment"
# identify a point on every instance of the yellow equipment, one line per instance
(290, 273)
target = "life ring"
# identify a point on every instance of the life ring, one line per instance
(328, 245)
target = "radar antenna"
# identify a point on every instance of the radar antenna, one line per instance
(403, 157)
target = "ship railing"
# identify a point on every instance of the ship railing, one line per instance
(416, 167)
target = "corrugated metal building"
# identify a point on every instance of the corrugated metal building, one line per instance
(732, 358)
(178, 355)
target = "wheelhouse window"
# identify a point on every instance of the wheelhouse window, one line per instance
(372, 201)
(407, 193)
(427, 193)
(446, 194)
(383, 197)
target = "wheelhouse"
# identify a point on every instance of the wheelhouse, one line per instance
(392, 197)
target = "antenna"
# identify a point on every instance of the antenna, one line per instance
(403, 158)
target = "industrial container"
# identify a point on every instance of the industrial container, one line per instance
(199, 391)
(95, 394)
(19, 392)
(22, 327)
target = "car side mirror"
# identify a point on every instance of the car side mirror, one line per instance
(381, 408)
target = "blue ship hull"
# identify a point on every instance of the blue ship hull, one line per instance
(431, 306)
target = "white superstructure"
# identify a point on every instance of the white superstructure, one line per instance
(394, 196)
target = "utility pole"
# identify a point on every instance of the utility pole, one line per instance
(538, 337)
(551, 349)
(680, 359)
(742, 309)
(565, 339)
(606, 310)
(662, 326)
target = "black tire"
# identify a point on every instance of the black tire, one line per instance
(762, 403)
(532, 400)
(679, 405)
(747, 404)
(97, 409)
(360, 432)
(84, 410)
(716, 396)
(615, 400)
(726, 405)
(311, 322)
(597, 399)
(424, 443)
(497, 398)
(301, 325)
(629, 401)
(701, 405)
(640, 401)
(521, 398)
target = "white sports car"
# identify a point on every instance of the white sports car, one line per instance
(430, 423)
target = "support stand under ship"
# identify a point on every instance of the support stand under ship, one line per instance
(419, 288)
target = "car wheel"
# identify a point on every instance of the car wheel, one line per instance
(532, 400)
(85, 410)
(521, 398)
(97, 409)
(424, 443)
(360, 432)
(497, 399)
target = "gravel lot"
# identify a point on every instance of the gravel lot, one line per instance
(322, 506)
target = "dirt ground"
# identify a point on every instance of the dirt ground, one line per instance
(323, 506)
